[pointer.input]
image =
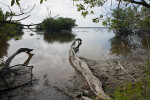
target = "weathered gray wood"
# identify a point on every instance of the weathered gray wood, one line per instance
(8, 61)
(94, 83)
(7, 68)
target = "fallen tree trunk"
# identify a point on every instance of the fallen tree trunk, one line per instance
(94, 83)
(6, 68)
(8, 61)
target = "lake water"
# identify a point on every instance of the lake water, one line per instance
(51, 52)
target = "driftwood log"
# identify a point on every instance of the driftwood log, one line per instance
(93, 82)
(6, 68)
(8, 61)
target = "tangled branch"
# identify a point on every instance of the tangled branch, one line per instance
(12, 14)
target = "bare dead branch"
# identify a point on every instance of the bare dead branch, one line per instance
(4, 21)
(56, 16)
(8, 8)
(21, 10)
(49, 13)
(117, 11)
(6, 5)
(143, 3)
(16, 53)
(6, 68)
(10, 22)
(31, 29)
(21, 19)
(22, 13)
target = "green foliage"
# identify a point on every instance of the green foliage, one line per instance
(122, 19)
(59, 24)
(147, 68)
(42, 1)
(145, 24)
(8, 30)
(95, 20)
(90, 4)
(4, 47)
(135, 91)
(12, 2)
(129, 19)
(17, 1)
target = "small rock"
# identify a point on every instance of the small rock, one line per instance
(86, 92)
(86, 98)
(74, 76)
(31, 34)
(117, 67)
(19, 81)
(104, 68)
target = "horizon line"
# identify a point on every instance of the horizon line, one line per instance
(90, 27)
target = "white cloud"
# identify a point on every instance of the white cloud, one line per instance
(63, 7)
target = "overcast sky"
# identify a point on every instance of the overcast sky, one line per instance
(63, 7)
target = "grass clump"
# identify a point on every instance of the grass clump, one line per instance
(135, 91)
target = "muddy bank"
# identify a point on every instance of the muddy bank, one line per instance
(18, 82)
(117, 72)
(108, 72)
(41, 88)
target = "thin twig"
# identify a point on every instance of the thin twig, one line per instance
(22, 18)
(118, 12)
(147, 42)
(22, 13)
(126, 71)
(10, 22)
(6, 5)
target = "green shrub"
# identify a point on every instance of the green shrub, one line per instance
(59, 24)
(135, 91)
(8, 30)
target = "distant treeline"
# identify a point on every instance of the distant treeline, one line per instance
(59, 24)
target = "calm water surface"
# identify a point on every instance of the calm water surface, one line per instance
(51, 52)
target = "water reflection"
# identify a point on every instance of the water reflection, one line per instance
(123, 44)
(52, 51)
(4, 44)
(145, 41)
(60, 37)
(3, 48)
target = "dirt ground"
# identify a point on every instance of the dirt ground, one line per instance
(41, 88)
(117, 72)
